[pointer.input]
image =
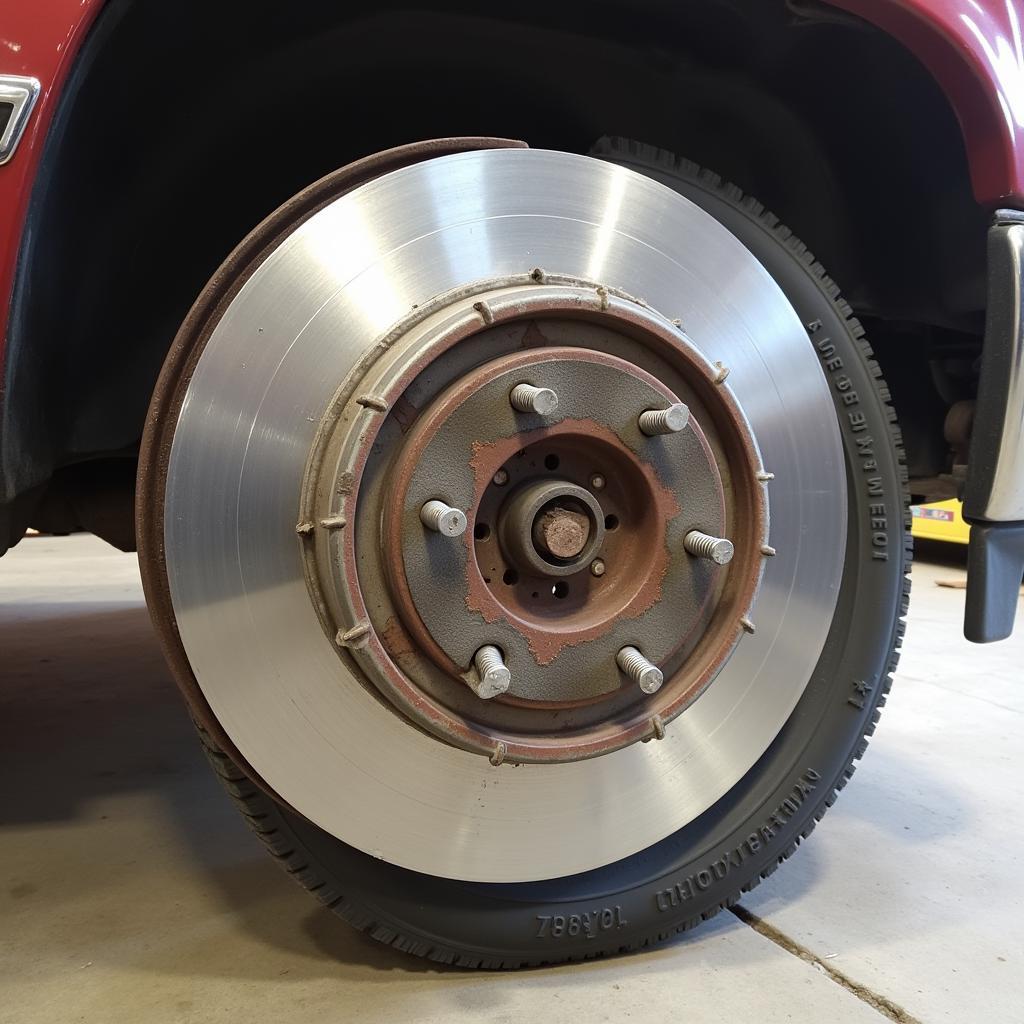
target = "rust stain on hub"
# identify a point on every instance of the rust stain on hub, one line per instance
(636, 556)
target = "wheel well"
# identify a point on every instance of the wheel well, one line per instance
(184, 125)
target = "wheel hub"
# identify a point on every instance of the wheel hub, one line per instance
(577, 519)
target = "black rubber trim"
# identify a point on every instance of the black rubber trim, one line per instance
(1002, 326)
(995, 553)
(995, 567)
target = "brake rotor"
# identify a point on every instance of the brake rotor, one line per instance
(342, 632)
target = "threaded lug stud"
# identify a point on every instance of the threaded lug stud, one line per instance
(644, 673)
(527, 398)
(715, 549)
(664, 421)
(492, 675)
(443, 519)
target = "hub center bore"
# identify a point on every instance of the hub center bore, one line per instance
(551, 528)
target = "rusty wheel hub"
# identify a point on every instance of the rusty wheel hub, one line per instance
(511, 481)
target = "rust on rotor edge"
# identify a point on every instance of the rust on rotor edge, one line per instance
(172, 384)
(751, 512)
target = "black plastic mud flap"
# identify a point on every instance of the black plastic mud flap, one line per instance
(994, 492)
(995, 566)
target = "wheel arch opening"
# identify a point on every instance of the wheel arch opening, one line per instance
(183, 127)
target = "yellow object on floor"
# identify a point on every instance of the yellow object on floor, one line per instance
(941, 520)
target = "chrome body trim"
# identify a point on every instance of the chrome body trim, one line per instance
(21, 93)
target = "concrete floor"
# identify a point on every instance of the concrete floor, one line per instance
(130, 891)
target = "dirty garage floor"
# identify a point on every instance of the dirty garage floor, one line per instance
(130, 891)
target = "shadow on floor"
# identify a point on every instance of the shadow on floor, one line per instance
(88, 712)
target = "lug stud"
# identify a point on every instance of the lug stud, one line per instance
(597, 567)
(443, 519)
(701, 545)
(492, 675)
(643, 672)
(664, 421)
(501, 478)
(527, 398)
(597, 482)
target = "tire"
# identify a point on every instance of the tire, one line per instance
(708, 864)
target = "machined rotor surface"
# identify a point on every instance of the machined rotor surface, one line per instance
(326, 302)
